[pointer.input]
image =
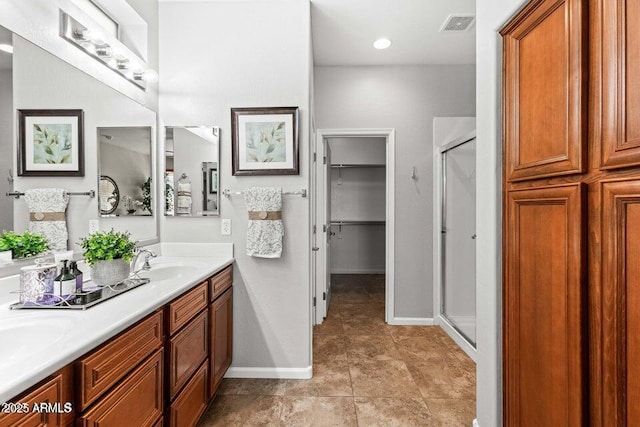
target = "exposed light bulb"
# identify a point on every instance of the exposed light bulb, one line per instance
(382, 43)
(112, 62)
(97, 38)
(89, 47)
(6, 48)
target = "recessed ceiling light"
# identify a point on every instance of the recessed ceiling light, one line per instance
(6, 48)
(382, 43)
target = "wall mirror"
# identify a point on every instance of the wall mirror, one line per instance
(192, 171)
(125, 183)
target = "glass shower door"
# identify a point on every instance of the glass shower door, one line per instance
(458, 238)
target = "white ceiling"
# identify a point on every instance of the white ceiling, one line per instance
(344, 32)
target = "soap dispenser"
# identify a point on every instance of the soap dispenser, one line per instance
(78, 275)
(65, 284)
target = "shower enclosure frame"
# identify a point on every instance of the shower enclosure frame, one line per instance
(443, 232)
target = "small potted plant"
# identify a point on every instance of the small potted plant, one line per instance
(109, 255)
(23, 245)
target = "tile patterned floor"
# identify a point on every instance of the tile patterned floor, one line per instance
(366, 373)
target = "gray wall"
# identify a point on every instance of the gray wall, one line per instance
(6, 138)
(490, 16)
(218, 55)
(405, 98)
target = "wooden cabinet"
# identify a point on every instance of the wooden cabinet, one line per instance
(545, 90)
(186, 352)
(620, 83)
(101, 369)
(544, 333)
(137, 401)
(187, 409)
(142, 377)
(53, 399)
(572, 346)
(221, 338)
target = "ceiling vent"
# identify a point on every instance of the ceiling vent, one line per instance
(457, 23)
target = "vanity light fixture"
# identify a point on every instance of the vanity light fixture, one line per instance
(6, 48)
(382, 43)
(108, 50)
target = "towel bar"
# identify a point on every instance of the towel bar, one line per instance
(90, 193)
(228, 193)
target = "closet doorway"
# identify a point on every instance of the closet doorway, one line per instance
(353, 214)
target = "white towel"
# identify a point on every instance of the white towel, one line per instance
(42, 202)
(183, 205)
(264, 237)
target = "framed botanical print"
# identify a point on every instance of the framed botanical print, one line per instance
(50, 143)
(264, 141)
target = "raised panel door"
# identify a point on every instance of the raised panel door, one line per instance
(545, 83)
(544, 307)
(621, 83)
(621, 302)
(221, 338)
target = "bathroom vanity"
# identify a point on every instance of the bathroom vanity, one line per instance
(152, 356)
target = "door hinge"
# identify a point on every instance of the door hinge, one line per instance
(324, 228)
(314, 229)
(324, 296)
(314, 301)
(315, 156)
(324, 160)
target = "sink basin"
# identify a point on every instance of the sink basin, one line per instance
(165, 272)
(19, 335)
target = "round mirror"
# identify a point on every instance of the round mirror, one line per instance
(109, 195)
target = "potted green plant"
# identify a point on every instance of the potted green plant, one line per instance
(23, 245)
(109, 255)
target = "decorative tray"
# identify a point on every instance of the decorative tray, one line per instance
(84, 300)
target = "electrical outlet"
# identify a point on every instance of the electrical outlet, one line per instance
(94, 226)
(225, 227)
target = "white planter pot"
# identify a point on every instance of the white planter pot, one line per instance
(108, 273)
(5, 256)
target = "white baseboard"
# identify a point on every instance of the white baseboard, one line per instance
(411, 321)
(475, 423)
(284, 373)
(357, 271)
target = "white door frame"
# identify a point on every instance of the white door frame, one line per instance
(318, 195)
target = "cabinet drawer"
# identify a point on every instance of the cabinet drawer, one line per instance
(187, 351)
(56, 391)
(106, 366)
(220, 282)
(183, 309)
(191, 403)
(137, 401)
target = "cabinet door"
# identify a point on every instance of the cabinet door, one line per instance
(544, 308)
(192, 401)
(621, 302)
(545, 90)
(137, 401)
(55, 391)
(187, 350)
(621, 83)
(221, 338)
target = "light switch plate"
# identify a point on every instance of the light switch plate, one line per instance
(94, 226)
(225, 227)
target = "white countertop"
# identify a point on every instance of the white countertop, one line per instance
(36, 343)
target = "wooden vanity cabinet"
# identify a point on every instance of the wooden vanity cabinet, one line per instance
(164, 370)
(56, 389)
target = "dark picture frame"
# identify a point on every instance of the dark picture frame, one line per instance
(42, 150)
(264, 141)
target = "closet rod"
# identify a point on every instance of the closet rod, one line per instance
(303, 193)
(341, 223)
(90, 193)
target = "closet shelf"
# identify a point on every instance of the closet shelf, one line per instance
(357, 222)
(362, 165)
